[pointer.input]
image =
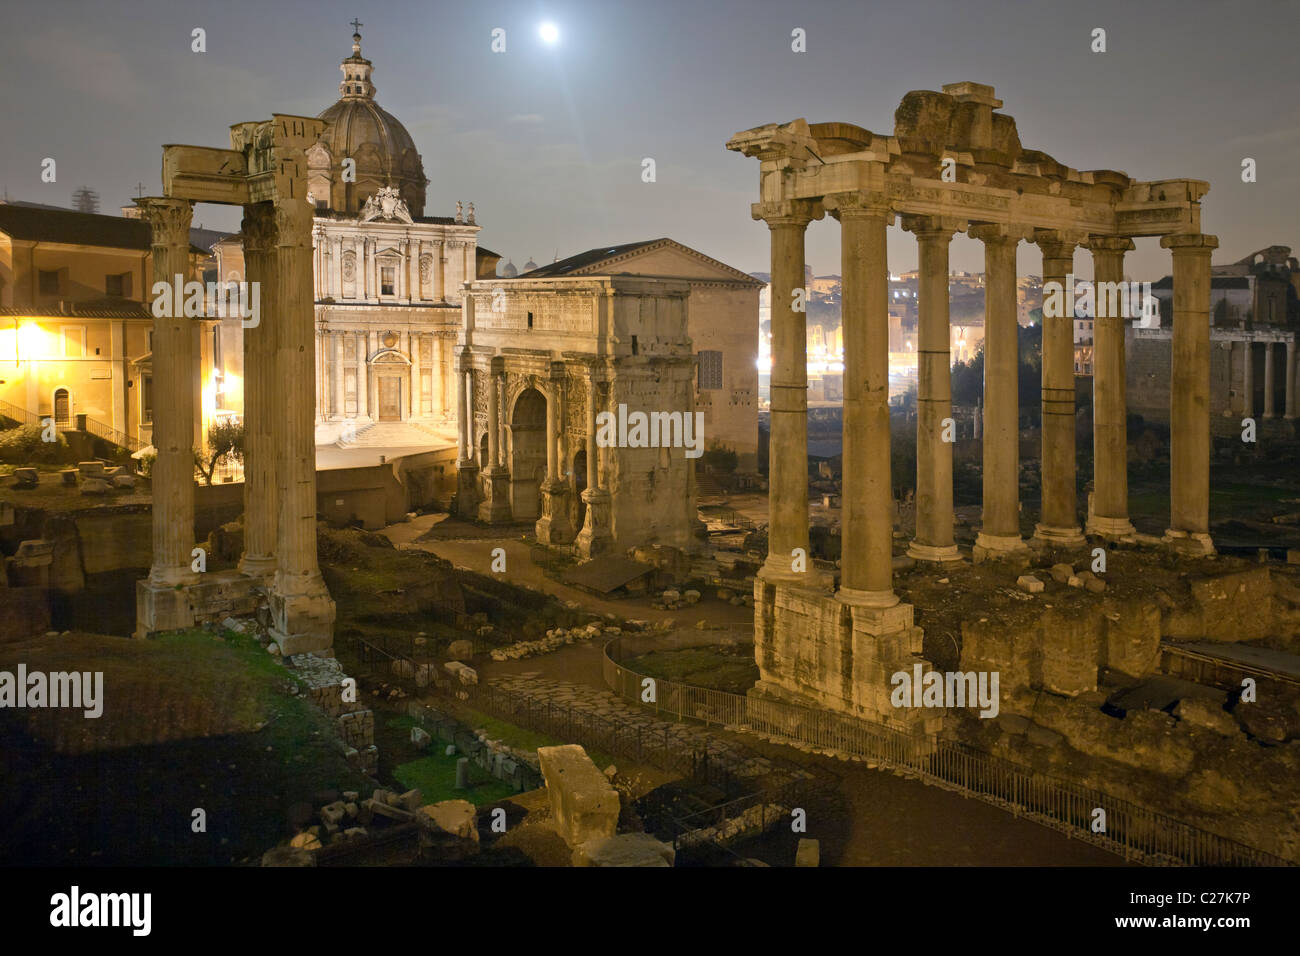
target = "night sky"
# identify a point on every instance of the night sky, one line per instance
(547, 141)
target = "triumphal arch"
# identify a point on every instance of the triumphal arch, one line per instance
(265, 171)
(953, 164)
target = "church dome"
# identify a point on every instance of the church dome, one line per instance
(508, 271)
(361, 130)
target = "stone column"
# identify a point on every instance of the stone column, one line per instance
(595, 537)
(1058, 524)
(466, 467)
(340, 388)
(494, 419)
(1269, 411)
(261, 401)
(415, 375)
(162, 601)
(866, 551)
(788, 442)
(1248, 379)
(934, 515)
(363, 396)
(1000, 429)
(553, 526)
(1290, 384)
(1189, 413)
(495, 506)
(1108, 515)
(302, 611)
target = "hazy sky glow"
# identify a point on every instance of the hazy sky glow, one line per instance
(547, 139)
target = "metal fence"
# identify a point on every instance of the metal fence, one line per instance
(1131, 830)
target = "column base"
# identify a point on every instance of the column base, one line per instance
(261, 567)
(1110, 528)
(553, 526)
(161, 607)
(302, 614)
(467, 489)
(867, 600)
(1000, 545)
(1189, 542)
(595, 538)
(933, 552)
(1052, 536)
(778, 570)
(495, 506)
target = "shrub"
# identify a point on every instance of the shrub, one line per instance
(23, 446)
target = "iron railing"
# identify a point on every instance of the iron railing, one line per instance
(1134, 831)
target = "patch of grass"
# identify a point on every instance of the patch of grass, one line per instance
(435, 776)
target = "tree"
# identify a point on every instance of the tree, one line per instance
(225, 441)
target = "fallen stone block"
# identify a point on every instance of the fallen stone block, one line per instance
(583, 803)
(26, 477)
(420, 738)
(808, 854)
(459, 649)
(448, 830)
(124, 481)
(1027, 582)
(332, 813)
(69, 476)
(411, 800)
(1061, 573)
(384, 810)
(307, 840)
(624, 849)
(1207, 715)
(94, 487)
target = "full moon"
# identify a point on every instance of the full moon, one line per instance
(549, 33)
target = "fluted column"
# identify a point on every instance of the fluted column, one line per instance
(1000, 431)
(595, 537)
(1248, 379)
(1269, 410)
(363, 395)
(1189, 413)
(301, 608)
(161, 603)
(494, 419)
(1058, 523)
(934, 514)
(261, 401)
(867, 519)
(1109, 514)
(788, 441)
(340, 388)
(1289, 410)
(416, 396)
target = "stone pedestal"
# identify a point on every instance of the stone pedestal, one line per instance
(553, 526)
(467, 490)
(161, 607)
(595, 537)
(302, 614)
(495, 506)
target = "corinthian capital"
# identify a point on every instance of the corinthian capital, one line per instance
(169, 219)
(258, 227)
(293, 221)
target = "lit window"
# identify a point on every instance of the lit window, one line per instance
(388, 280)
